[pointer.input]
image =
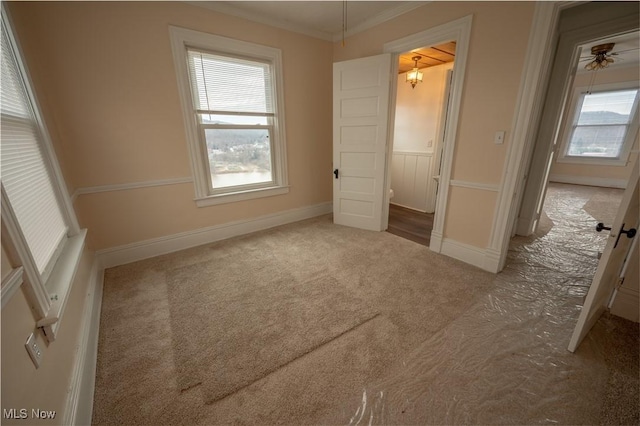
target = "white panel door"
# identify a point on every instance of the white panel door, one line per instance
(611, 262)
(360, 119)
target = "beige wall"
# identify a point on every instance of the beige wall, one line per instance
(45, 388)
(499, 37)
(105, 76)
(591, 171)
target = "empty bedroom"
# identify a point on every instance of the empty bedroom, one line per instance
(195, 196)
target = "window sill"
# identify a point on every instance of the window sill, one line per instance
(593, 161)
(60, 282)
(233, 197)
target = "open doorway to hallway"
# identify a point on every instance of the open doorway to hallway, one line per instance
(422, 97)
(593, 153)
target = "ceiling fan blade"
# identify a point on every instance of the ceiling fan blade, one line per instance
(623, 51)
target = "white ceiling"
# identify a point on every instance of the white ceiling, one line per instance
(320, 19)
(323, 20)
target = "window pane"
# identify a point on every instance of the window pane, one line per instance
(238, 156)
(245, 120)
(607, 108)
(597, 141)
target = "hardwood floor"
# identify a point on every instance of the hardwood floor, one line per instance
(410, 224)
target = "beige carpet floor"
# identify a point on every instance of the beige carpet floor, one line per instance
(392, 333)
(296, 319)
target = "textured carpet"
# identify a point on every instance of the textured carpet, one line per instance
(285, 325)
(239, 317)
(451, 344)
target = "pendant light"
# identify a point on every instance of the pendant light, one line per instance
(414, 76)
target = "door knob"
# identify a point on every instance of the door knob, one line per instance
(335, 172)
(630, 234)
(600, 226)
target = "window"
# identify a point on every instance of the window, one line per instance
(603, 127)
(232, 105)
(24, 175)
(40, 231)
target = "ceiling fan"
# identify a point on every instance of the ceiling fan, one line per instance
(601, 56)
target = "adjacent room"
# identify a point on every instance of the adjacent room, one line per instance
(424, 77)
(195, 196)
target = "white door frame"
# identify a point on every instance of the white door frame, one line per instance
(531, 97)
(460, 31)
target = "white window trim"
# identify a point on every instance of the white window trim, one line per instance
(48, 298)
(181, 38)
(630, 137)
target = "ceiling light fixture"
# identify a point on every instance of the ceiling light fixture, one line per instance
(414, 76)
(601, 57)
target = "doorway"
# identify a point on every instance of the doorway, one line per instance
(557, 154)
(422, 94)
(598, 22)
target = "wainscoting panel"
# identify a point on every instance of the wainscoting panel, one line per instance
(412, 181)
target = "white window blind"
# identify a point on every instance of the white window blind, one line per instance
(223, 84)
(24, 172)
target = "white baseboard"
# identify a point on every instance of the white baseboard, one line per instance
(79, 405)
(158, 246)
(492, 261)
(589, 181)
(435, 243)
(410, 208)
(469, 254)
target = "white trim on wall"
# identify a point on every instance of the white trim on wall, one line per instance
(475, 185)
(11, 283)
(467, 253)
(589, 181)
(417, 153)
(79, 405)
(168, 244)
(129, 186)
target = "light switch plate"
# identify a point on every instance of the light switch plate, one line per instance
(34, 350)
(499, 138)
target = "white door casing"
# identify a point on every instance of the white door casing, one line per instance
(460, 32)
(611, 262)
(360, 131)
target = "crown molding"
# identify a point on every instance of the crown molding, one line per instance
(305, 30)
(380, 18)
